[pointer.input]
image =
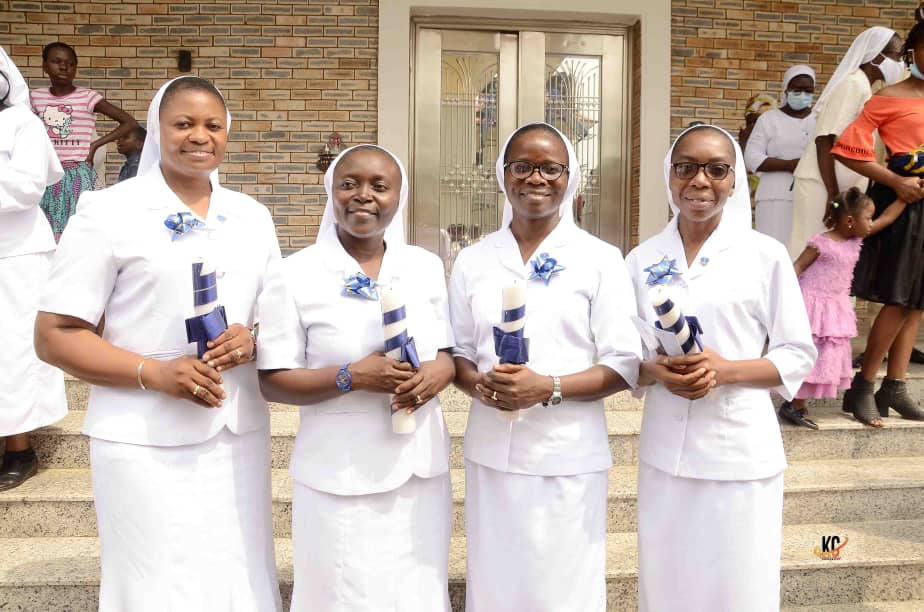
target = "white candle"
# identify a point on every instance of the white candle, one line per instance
(401, 421)
(513, 297)
(202, 269)
(660, 299)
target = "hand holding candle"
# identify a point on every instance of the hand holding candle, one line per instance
(510, 345)
(400, 347)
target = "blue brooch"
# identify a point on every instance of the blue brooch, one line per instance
(181, 223)
(544, 267)
(703, 261)
(662, 272)
(360, 285)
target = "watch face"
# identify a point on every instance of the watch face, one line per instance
(343, 380)
(555, 400)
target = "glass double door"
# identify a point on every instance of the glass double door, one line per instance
(473, 88)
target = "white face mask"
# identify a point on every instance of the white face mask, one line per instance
(892, 70)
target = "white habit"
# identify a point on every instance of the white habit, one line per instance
(31, 391)
(371, 509)
(742, 288)
(778, 135)
(118, 258)
(538, 485)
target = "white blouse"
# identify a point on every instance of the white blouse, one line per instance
(778, 135)
(118, 259)
(581, 318)
(345, 445)
(25, 171)
(744, 292)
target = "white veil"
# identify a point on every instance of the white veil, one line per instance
(19, 90)
(737, 209)
(394, 233)
(150, 153)
(793, 72)
(864, 48)
(574, 177)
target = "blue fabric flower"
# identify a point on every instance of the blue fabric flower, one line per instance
(544, 267)
(182, 223)
(360, 285)
(662, 272)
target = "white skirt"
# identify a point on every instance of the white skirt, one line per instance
(186, 527)
(377, 552)
(31, 391)
(535, 543)
(708, 545)
(774, 218)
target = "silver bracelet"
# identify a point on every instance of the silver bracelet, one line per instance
(141, 367)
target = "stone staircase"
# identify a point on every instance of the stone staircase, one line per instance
(844, 480)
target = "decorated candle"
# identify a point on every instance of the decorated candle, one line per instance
(513, 323)
(209, 320)
(394, 322)
(672, 319)
(205, 287)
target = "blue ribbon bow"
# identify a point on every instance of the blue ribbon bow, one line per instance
(662, 272)
(544, 267)
(206, 327)
(360, 285)
(402, 340)
(511, 347)
(181, 223)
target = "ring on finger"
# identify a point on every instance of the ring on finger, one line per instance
(196, 390)
(238, 354)
(494, 396)
(419, 401)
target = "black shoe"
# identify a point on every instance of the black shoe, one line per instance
(17, 468)
(858, 400)
(857, 362)
(796, 417)
(917, 356)
(894, 394)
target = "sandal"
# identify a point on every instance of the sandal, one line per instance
(858, 400)
(796, 417)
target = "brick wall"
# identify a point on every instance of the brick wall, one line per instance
(291, 70)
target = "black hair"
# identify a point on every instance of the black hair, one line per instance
(139, 132)
(699, 128)
(915, 37)
(57, 45)
(850, 202)
(190, 83)
(533, 127)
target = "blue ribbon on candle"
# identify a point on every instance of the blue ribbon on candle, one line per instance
(182, 223)
(511, 347)
(544, 267)
(205, 286)
(360, 285)
(662, 272)
(402, 340)
(696, 331)
(203, 328)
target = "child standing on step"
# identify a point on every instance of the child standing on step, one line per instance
(69, 115)
(825, 271)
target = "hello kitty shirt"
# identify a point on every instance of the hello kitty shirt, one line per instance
(69, 120)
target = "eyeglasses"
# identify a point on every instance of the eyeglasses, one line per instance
(522, 169)
(715, 171)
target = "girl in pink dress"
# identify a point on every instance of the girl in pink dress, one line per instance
(825, 271)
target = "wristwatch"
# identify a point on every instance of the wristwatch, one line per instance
(344, 379)
(555, 398)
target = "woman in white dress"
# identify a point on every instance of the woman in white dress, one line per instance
(776, 143)
(711, 460)
(179, 446)
(874, 55)
(370, 507)
(536, 482)
(31, 392)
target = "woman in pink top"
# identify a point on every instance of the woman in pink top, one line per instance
(69, 115)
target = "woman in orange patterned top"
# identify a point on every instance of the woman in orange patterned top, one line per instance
(891, 266)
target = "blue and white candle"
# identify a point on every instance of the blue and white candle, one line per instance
(400, 347)
(209, 320)
(513, 347)
(671, 318)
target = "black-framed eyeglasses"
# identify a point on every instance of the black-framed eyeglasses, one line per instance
(714, 171)
(522, 169)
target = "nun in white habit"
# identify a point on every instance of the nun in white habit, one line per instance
(536, 482)
(774, 147)
(31, 392)
(179, 446)
(711, 460)
(371, 507)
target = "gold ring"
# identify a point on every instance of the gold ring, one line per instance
(238, 354)
(419, 401)
(196, 390)
(494, 396)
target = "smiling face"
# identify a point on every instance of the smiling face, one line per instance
(700, 199)
(535, 197)
(193, 133)
(366, 192)
(60, 66)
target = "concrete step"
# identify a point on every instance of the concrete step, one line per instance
(58, 502)
(839, 436)
(916, 605)
(883, 561)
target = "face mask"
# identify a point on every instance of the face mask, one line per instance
(798, 100)
(916, 72)
(892, 70)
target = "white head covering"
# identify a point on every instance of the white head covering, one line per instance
(793, 72)
(394, 233)
(737, 209)
(150, 153)
(574, 178)
(864, 48)
(19, 90)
